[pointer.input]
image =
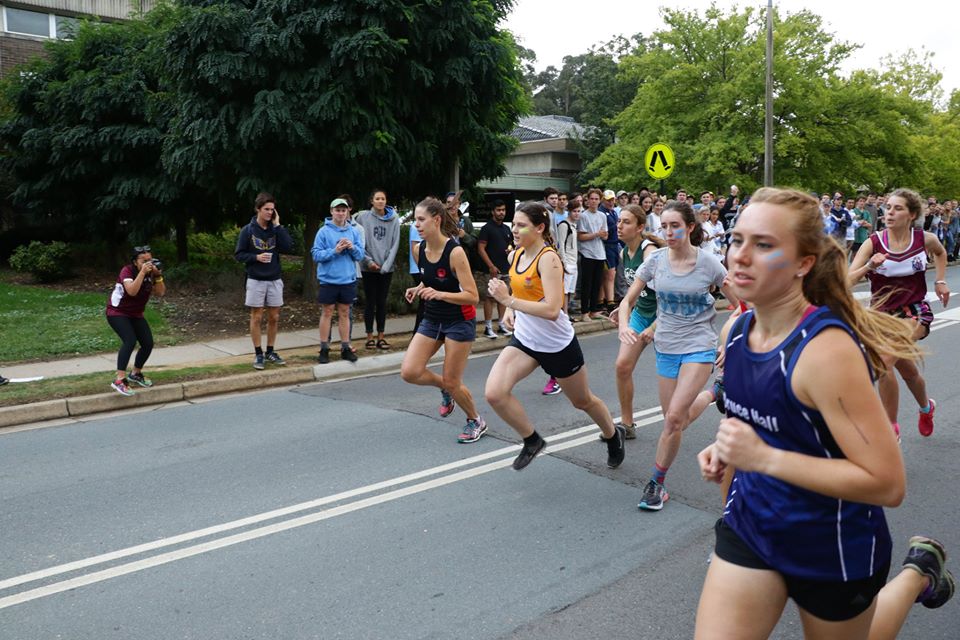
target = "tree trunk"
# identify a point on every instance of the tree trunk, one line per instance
(311, 224)
(181, 238)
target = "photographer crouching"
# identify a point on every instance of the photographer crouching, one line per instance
(135, 284)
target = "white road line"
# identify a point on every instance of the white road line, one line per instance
(187, 552)
(304, 506)
(943, 325)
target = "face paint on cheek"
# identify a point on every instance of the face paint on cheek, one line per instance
(776, 260)
(523, 231)
(679, 233)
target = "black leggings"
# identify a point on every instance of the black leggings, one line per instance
(132, 331)
(591, 282)
(376, 286)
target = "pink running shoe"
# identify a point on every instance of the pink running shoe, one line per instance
(925, 423)
(447, 405)
(552, 387)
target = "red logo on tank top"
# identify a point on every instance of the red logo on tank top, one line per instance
(528, 283)
(441, 273)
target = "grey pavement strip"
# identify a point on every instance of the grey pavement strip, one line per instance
(558, 442)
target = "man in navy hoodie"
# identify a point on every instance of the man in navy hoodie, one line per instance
(337, 249)
(259, 247)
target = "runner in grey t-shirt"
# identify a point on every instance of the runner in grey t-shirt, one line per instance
(685, 338)
(685, 309)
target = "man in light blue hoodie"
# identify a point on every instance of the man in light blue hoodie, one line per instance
(337, 249)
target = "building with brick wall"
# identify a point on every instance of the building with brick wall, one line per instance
(27, 24)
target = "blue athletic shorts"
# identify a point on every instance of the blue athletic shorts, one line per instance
(459, 330)
(638, 322)
(668, 364)
(337, 293)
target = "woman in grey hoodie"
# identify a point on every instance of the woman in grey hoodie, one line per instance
(381, 227)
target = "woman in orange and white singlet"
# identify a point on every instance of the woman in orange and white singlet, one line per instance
(542, 337)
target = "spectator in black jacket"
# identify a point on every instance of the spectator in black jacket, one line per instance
(259, 247)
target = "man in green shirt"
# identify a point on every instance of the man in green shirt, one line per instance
(864, 221)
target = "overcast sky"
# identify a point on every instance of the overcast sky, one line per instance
(557, 28)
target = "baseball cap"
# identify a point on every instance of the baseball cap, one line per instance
(609, 194)
(621, 193)
(339, 202)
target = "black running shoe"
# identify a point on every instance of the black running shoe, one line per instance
(3, 381)
(719, 395)
(324, 356)
(654, 495)
(527, 455)
(347, 354)
(616, 451)
(927, 557)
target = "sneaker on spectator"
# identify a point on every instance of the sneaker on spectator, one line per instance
(140, 379)
(273, 357)
(121, 387)
(488, 332)
(346, 353)
(506, 333)
(258, 362)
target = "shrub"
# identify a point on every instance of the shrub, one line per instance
(45, 262)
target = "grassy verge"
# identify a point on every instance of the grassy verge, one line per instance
(39, 322)
(93, 383)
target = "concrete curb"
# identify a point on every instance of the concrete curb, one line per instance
(33, 412)
(164, 394)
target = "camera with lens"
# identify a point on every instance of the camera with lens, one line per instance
(157, 264)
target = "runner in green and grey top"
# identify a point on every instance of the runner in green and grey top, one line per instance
(639, 246)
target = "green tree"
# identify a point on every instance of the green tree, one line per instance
(84, 134)
(701, 89)
(308, 99)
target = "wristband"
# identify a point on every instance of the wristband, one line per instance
(940, 282)
(160, 279)
(510, 304)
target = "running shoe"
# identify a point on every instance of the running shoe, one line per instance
(140, 379)
(528, 454)
(273, 357)
(506, 333)
(719, 396)
(121, 387)
(258, 362)
(346, 353)
(654, 496)
(629, 431)
(447, 404)
(3, 381)
(490, 333)
(616, 451)
(323, 358)
(925, 424)
(473, 431)
(927, 556)
(552, 387)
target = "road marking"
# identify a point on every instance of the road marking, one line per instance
(285, 511)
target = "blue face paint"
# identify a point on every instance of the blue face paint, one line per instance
(679, 233)
(776, 260)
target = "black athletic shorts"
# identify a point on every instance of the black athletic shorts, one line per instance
(833, 601)
(560, 365)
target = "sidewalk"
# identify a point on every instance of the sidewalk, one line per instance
(194, 353)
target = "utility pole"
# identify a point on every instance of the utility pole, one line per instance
(768, 124)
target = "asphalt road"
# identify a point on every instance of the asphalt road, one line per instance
(348, 510)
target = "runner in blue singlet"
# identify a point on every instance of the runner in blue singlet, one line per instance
(813, 466)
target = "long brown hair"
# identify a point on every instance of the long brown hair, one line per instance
(449, 226)
(537, 214)
(637, 212)
(826, 283)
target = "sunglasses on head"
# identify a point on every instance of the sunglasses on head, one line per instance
(144, 249)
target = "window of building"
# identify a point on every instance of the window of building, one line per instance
(32, 23)
(67, 27)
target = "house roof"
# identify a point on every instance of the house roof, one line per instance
(533, 128)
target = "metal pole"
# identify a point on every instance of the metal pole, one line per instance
(768, 124)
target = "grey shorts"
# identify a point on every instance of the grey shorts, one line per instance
(264, 293)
